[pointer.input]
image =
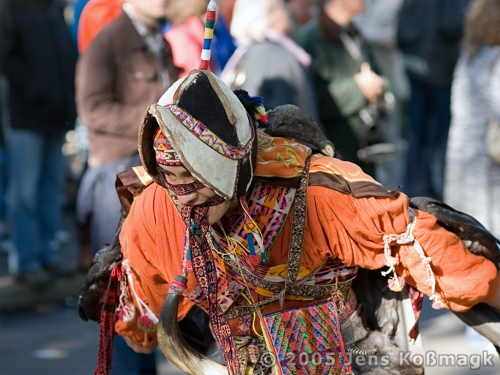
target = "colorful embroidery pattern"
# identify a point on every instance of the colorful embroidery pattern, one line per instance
(206, 276)
(269, 207)
(307, 340)
(164, 151)
(185, 189)
(199, 130)
(228, 291)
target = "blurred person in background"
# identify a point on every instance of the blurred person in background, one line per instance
(37, 58)
(78, 6)
(378, 25)
(343, 75)
(185, 36)
(3, 166)
(223, 44)
(126, 67)
(90, 17)
(225, 10)
(472, 178)
(267, 62)
(94, 16)
(429, 35)
(301, 12)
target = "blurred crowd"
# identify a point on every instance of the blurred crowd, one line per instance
(407, 89)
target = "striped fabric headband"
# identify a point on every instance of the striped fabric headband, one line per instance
(165, 153)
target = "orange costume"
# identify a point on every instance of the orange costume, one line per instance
(267, 239)
(346, 220)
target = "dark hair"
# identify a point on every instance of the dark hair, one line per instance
(251, 103)
(243, 97)
(482, 26)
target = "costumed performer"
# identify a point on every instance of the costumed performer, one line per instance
(267, 237)
(220, 209)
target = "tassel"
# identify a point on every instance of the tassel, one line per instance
(254, 259)
(146, 324)
(107, 325)
(260, 114)
(127, 312)
(396, 284)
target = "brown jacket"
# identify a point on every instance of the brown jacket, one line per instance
(117, 78)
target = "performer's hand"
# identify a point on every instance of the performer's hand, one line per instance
(370, 84)
(139, 348)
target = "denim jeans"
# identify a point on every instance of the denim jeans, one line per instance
(428, 125)
(128, 362)
(36, 168)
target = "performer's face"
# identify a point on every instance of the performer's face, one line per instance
(180, 175)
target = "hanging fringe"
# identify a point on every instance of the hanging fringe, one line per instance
(147, 320)
(396, 283)
(107, 323)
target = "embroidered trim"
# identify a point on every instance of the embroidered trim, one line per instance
(182, 189)
(269, 207)
(164, 151)
(200, 130)
(343, 289)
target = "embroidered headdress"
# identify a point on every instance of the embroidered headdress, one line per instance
(210, 130)
(207, 125)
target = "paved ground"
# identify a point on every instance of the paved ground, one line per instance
(52, 340)
(444, 334)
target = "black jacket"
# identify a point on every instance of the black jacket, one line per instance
(429, 35)
(36, 56)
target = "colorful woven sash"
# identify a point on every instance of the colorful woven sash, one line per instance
(206, 277)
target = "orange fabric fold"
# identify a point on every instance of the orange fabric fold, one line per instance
(338, 226)
(284, 158)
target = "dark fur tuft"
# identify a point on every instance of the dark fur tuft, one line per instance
(243, 97)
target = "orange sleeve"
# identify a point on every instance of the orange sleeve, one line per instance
(352, 229)
(152, 241)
